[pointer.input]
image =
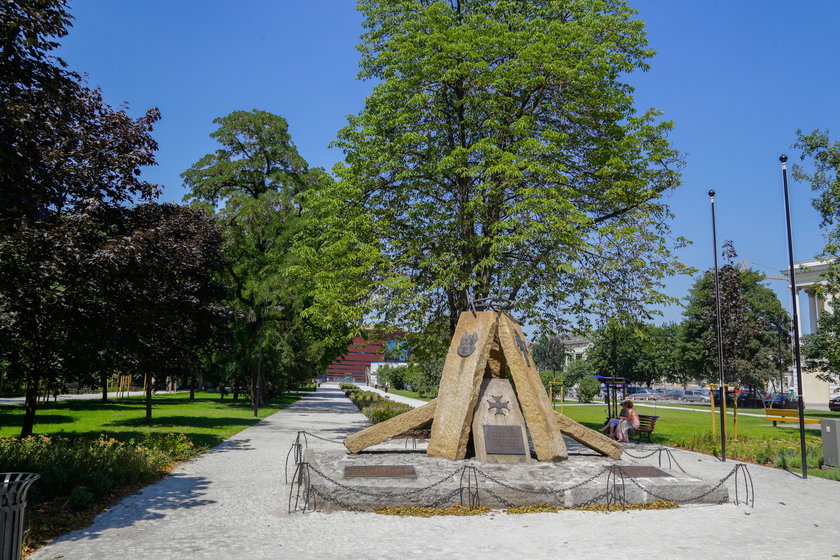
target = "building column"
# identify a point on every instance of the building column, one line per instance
(813, 310)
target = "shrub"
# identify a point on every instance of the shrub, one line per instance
(424, 376)
(80, 498)
(72, 467)
(588, 388)
(394, 376)
(384, 410)
(364, 399)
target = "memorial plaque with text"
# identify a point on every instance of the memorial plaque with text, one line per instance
(503, 440)
(642, 471)
(380, 471)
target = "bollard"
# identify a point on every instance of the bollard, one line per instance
(13, 488)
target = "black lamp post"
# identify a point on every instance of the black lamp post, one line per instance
(719, 335)
(797, 360)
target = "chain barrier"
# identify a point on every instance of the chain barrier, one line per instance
(384, 494)
(720, 483)
(300, 445)
(304, 493)
(672, 460)
(542, 492)
(337, 442)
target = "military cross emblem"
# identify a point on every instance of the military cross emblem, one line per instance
(498, 405)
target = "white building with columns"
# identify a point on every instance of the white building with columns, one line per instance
(809, 277)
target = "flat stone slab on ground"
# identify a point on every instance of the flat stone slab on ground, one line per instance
(579, 481)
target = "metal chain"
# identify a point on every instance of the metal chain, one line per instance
(384, 494)
(323, 438)
(501, 500)
(595, 499)
(667, 452)
(685, 501)
(641, 456)
(333, 499)
(542, 492)
(674, 458)
(445, 498)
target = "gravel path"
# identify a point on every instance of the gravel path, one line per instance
(231, 503)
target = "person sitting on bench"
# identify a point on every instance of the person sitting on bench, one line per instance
(629, 422)
(613, 422)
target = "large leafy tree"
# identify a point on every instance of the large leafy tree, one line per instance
(630, 350)
(500, 153)
(88, 285)
(61, 143)
(257, 181)
(753, 327)
(822, 348)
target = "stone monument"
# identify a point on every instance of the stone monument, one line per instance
(490, 394)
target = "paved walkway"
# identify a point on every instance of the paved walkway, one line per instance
(231, 502)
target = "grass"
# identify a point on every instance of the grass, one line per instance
(205, 422)
(758, 441)
(409, 394)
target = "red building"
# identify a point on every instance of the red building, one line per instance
(355, 362)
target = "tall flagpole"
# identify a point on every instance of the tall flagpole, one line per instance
(719, 335)
(797, 359)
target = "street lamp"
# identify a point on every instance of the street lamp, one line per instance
(795, 315)
(719, 335)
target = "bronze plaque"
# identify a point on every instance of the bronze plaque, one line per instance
(503, 440)
(379, 471)
(642, 471)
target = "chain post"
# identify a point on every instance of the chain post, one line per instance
(471, 475)
(749, 490)
(616, 493)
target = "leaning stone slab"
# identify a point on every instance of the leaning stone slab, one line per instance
(391, 427)
(463, 371)
(537, 409)
(590, 438)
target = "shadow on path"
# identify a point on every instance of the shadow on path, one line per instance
(174, 492)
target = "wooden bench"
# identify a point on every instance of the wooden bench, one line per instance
(787, 415)
(646, 425)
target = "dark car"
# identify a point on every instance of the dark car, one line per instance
(834, 404)
(779, 400)
(750, 399)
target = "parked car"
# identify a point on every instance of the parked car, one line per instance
(779, 400)
(750, 399)
(834, 404)
(643, 395)
(692, 395)
(674, 394)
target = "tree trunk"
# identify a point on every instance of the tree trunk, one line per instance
(104, 380)
(192, 387)
(147, 386)
(31, 405)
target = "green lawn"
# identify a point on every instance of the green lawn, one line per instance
(410, 394)
(206, 421)
(758, 441)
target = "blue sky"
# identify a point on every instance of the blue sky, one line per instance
(737, 77)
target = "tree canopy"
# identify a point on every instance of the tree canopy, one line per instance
(256, 183)
(822, 348)
(754, 326)
(88, 285)
(500, 152)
